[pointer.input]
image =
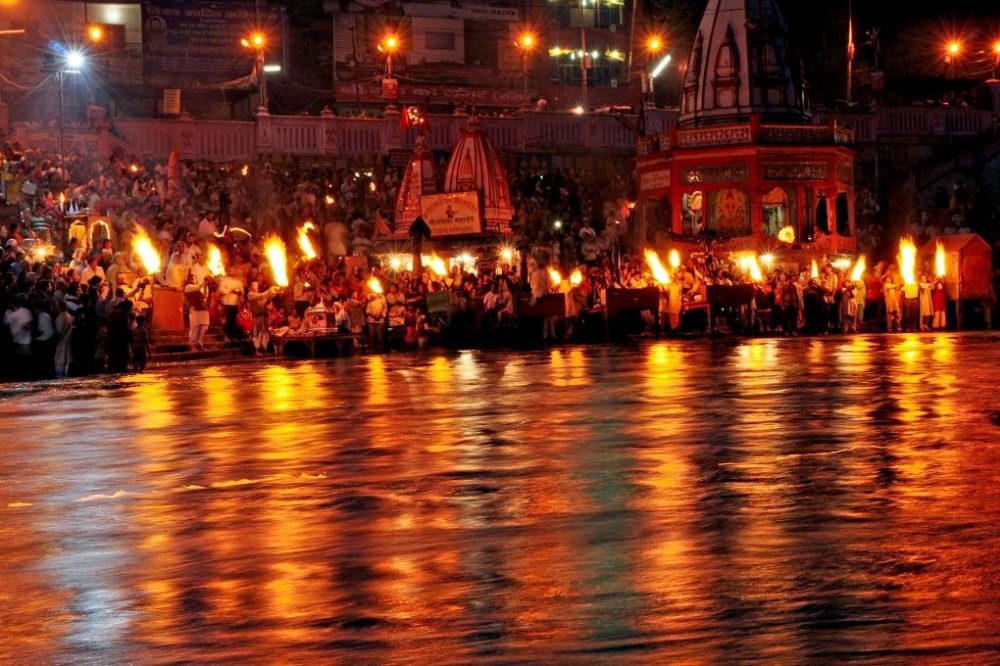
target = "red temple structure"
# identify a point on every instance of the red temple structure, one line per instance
(475, 167)
(418, 179)
(745, 160)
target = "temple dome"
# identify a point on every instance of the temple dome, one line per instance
(742, 64)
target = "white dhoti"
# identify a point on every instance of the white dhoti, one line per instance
(197, 326)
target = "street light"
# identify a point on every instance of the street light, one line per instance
(389, 46)
(258, 42)
(73, 63)
(527, 44)
(654, 44)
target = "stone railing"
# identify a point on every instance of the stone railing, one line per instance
(915, 121)
(330, 137)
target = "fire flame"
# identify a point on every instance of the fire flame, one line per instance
(375, 285)
(814, 273)
(675, 259)
(148, 255)
(859, 269)
(555, 277)
(786, 235)
(755, 273)
(305, 243)
(939, 261)
(660, 273)
(576, 277)
(329, 200)
(245, 170)
(438, 266)
(908, 260)
(274, 249)
(62, 198)
(214, 263)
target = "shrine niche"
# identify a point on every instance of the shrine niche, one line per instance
(692, 213)
(745, 160)
(777, 210)
(730, 214)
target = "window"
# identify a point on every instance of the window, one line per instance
(439, 41)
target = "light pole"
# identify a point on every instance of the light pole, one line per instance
(389, 46)
(953, 50)
(583, 54)
(258, 42)
(73, 63)
(653, 47)
(526, 43)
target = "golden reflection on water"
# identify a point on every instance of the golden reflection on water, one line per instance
(781, 501)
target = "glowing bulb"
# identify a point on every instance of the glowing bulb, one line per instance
(954, 48)
(74, 60)
(96, 33)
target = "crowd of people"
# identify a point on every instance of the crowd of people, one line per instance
(78, 297)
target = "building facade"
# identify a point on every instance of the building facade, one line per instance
(745, 162)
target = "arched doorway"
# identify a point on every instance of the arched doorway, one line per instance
(776, 211)
(693, 213)
(822, 214)
(843, 215)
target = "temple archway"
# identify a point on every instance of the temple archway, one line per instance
(822, 214)
(843, 215)
(777, 211)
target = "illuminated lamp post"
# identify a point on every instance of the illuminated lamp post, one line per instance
(389, 46)
(258, 43)
(953, 50)
(527, 44)
(73, 63)
(653, 47)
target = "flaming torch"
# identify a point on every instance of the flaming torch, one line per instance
(814, 273)
(214, 263)
(675, 259)
(660, 273)
(939, 261)
(555, 278)
(305, 243)
(438, 266)
(374, 285)
(859, 269)
(143, 246)
(908, 260)
(274, 250)
(576, 277)
(755, 273)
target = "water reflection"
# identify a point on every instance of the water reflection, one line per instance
(783, 501)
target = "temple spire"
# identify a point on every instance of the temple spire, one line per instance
(742, 64)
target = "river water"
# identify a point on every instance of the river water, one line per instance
(772, 501)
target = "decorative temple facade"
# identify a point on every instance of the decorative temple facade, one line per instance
(745, 162)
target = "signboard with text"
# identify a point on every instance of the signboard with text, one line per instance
(198, 41)
(455, 214)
